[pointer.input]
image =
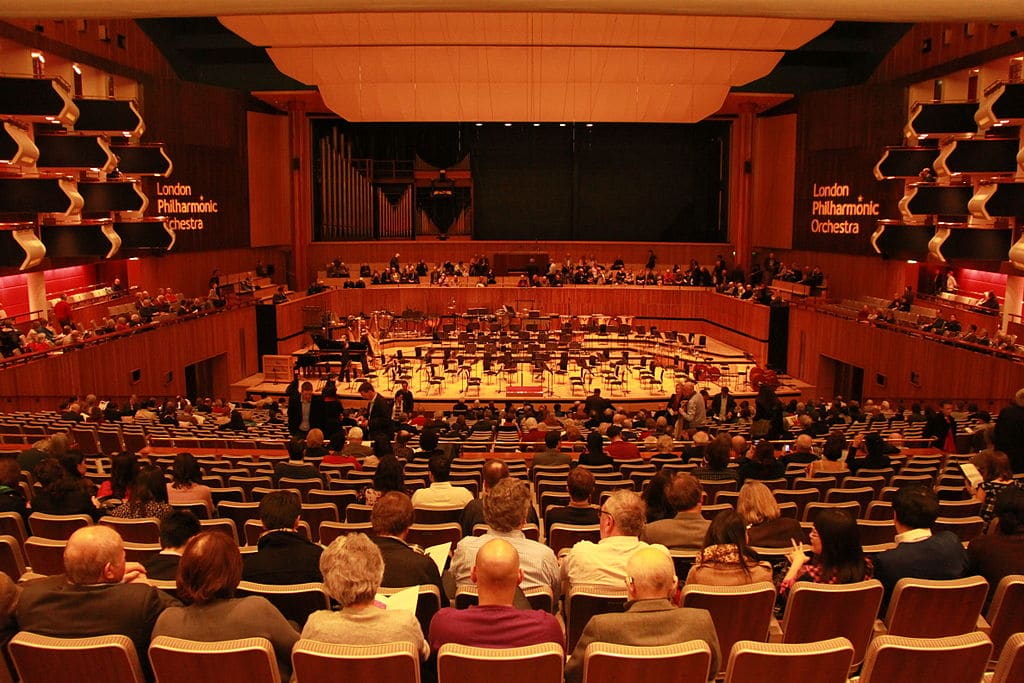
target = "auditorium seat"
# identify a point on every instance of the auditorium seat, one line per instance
(315, 514)
(812, 510)
(436, 515)
(584, 601)
(953, 659)
(253, 529)
(239, 513)
(176, 660)
(542, 663)
(13, 524)
(1006, 612)
(426, 535)
(356, 513)
(313, 662)
(223, 525)
(738, 612)
(923, 608)
(1010, 668)
(562, 536)
(800, 497)
(58, 527)
(966, 528)
(819, 611)
(824, 661)
(687, 662)
(331, 530)
(45, 555)
(427, 604)
(12, 561)
(539, 597)
(295, 601)
(141, 530)
(38, 659)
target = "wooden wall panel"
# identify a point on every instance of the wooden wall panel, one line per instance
(953, 42)
(269, 187)
(774, 167)
(943, 371)
(161, 355)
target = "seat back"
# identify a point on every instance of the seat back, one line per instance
(427, 605)
(295, 601)
(45, 555)
(226, 526)
(313, 661)
(37, 659)
(954, 659)
(819, 611)
(331, 530)
(238, 512)
(316, 514)
(965, 528)
(1006, 613)
(176, 660)
(876, 532)
(356, 513)
(1011, 661)
(584, 601)
(679, 663)
(58, 527)
(923, 608)
(539, 597)
(824, 661)
(436, 515)
(12, 562)
(253, 529)
(13, 524)
(812, 510)
(738, 612)
(538, 663)
(143, 530)
(426, 535)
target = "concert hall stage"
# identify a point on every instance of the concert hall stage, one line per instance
(632, 370)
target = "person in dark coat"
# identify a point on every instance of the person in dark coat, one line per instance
(284, 556)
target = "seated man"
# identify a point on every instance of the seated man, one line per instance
(354, 444)
(552, 454)
(650, 618)
(494, 622)
(441, 494)
(473, 514)
(505, 511)
(175, 530)
(622, 519)
(687, 529)
(404, 565)
(95, 596)
(919, 553)
(283, 556)
(295, 467)
(801, 454)
(579, 511)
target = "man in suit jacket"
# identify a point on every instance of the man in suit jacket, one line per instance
(95, 596)
(404, 565)
(919, 553)
(723, 406)
(378, 413)
(941, 428)
(650, 618)
(687, 529)
(305, 411)
(283, 555)
(175, 530)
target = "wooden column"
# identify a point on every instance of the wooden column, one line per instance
(741, 183)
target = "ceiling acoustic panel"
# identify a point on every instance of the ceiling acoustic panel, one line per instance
(524, 66)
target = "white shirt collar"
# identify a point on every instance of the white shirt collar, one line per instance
(913, 536)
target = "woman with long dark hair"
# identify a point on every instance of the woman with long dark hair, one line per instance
(767, 415)
(60, 494)
(124, 467)
(187, 483)
(656, 499)
(726, 559)
(837, 555)
(148, 497)
(387, 477)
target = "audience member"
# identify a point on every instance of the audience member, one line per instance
(493, 471)
(622, 519)
(208, 575)
(580, 484)
(353, 568)
(404, 565)
(726, 559)
(994, 467)
(295, 467)
(762, 464)
(387, 477)
(283, 555)
(1000, 552)
(187, 485)
(551, 456)
(11, 497)
(687, 529)
(124, 468)
(837, 554)
(595, 456)
(175, 530)
(766, 527)
(655, 498)
(715, 465)
(441, 494)
(148, 496)
(650, 618)
(60, 494)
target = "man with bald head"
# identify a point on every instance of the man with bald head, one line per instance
(95, 596)
(801, 452)
(650, 618)
(494, 622)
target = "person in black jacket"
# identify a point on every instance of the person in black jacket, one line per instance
(305, 411)
(404, 565)
(11, 498)
(284, 556)
(1009, 432)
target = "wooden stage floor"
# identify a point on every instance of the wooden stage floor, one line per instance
(627, 384)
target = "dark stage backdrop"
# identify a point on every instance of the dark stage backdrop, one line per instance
(607, 182)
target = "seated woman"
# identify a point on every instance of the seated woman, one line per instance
(715, 465)
(832, 456)
(315, 444)
(994, 467)
(208, 574)
(353, 568)
(235, 423)
(762, 464)
(726, 559)
(595, 455)
(867, 452)
(187, 484)
(60, 494)
(148, 497)
(387, 477)
(1000, 552)
(124, 467)
(766, 527)
(837, 555)
(656, 499)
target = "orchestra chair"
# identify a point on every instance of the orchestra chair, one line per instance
(314, 661)
(687, 662)
(953, 659)
(820, 611)
(176, 660)
(823, 661)
(925, 608)
(542, 663)
(38, 659)
(738, 612)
